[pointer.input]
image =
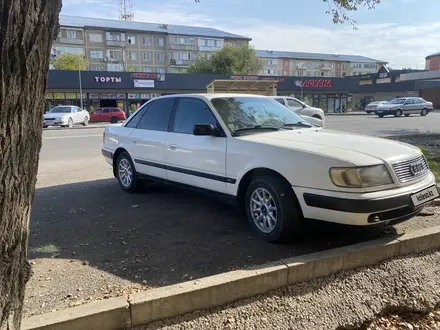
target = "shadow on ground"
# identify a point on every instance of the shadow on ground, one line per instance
(163, 235)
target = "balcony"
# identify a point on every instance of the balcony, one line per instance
(70, 41)
(115, 43)
(326, 68)
(183, 47)
(181, 63)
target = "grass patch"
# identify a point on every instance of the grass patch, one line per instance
(434, 163)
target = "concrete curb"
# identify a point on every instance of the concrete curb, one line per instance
(354, 113)
(161, 303)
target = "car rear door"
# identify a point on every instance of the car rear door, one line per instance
(198, 161)
(147, 140)
(409, 107)
(106, 114)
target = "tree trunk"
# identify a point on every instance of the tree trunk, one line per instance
(27, 29)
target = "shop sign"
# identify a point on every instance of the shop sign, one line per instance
(102, 96)
(108, 79)
(70, 96)
(112, 96)
(141, 83)
(144, 75)
(58, 96)
(121, 96)
(326, 83)
(94, 96)
(49, 95)
(132, 96)
(145, 96)
(256, 78)
(84, 96)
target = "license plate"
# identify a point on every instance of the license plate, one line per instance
(425, 195)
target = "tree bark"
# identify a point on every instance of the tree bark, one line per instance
(27, 29)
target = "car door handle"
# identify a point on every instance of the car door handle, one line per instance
(173, 147)
(134, 142)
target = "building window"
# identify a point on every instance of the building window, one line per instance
(115, 54)
(271, 71)
(59, 51)
(115, 36)
(184, 56)
(147, 69)
(160, 70)
(131, 40)
(272, 62)
(159, 42)
(71, 34)
(95, 37)
(160, 57)
(146, 56)
(96, 54)
(285, 73)
(146, 41)
(132, 56)
(338, 65)
(96, 68)
(182, 41)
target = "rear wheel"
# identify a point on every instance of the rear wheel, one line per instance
(114, 120)
(126, 174)
(424, 112)
(272, 209)
(398, 113)
(381, 116)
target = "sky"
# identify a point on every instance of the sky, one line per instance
(401, 32)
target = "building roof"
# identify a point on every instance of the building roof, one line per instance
(432, 55)
(317, 56)
(88, 22)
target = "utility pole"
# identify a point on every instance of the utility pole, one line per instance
(80, 83)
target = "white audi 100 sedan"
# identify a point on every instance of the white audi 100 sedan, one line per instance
(275, 166)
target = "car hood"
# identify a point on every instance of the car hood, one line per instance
(357, 149)
(55, 115)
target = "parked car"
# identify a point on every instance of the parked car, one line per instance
(300, 107)
(108, 114)
(404, 106)
(370, 107)
(278, 169)
(66, 116)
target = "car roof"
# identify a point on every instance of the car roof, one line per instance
(211, 95)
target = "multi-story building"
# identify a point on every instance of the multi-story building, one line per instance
(112, 45)
(283, 63)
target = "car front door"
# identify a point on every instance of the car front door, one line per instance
(148, 138)
(106, 114)
(194, 160)
(97, 115)
(295, 106)
(77, 113)
(409, 106)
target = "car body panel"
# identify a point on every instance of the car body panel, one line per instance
(105, 114)
(77, 115)
(408, 105)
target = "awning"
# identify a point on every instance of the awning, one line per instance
(260, 87)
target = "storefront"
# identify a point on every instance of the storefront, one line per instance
(129, 90)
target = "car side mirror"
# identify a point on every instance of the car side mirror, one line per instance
(205, 130)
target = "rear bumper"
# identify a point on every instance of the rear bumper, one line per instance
(389, 206)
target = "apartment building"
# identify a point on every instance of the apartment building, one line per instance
(113, 45)
(281, 63)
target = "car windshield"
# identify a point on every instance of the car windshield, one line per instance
(252, 114)
(60, 110)
(397, 101)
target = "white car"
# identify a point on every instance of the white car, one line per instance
(66, 116)
(300, 107)
(276, 167)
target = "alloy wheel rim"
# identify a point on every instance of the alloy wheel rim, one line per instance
(125, 172)
(263, 210)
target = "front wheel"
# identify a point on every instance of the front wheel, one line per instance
(272, 209)
(424, 112)
(380, 116)
(70, 123)
(126, 174)
(86, 121)
(398, 113)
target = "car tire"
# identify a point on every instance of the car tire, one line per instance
(406, 114)
(45, 126)
(424, 112)
(398, 113)
(126, 174)
(70, 123)
(380, 116)
(114, 120)
(86, 121)
(281, 209)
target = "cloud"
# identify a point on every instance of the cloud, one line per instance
(400, 45)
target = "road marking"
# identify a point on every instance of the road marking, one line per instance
(71, 136)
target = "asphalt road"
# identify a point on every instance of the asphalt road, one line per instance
(163, 235)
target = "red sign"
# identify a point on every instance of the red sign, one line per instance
(326, 83)
(144, 75)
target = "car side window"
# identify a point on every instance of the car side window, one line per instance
(73, 109)
(409, 101)
(190, 112)
(134, 121)
(418, 101)
(107, 110)
(98, 111)
(293, 103)
(280, 101)
(157, 115)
